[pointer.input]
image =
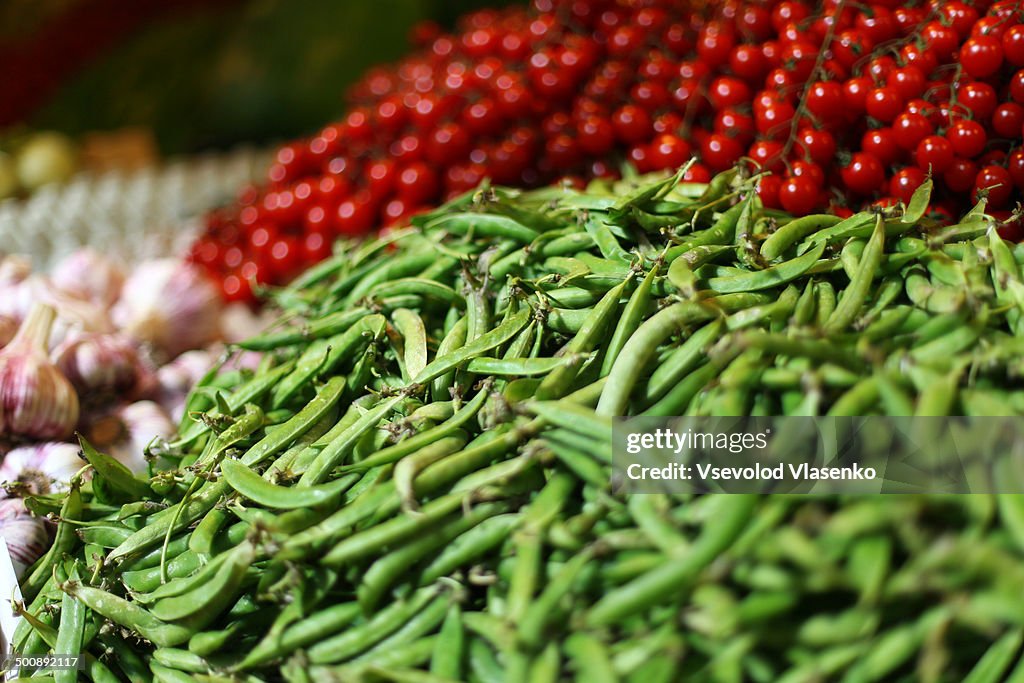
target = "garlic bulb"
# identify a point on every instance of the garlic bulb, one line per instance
(178, 377)
(41, 468)
(125, 433)
(99, 365)
(36, 400)
(8, 328)
(14, 269)
(171, 305)
(89, 275)
(25, 535)
(73, 315)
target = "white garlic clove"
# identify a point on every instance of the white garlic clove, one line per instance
(171, 305)
(40, 468)
(36, 400)
(26, 536)
(90, 276)
(99, 366)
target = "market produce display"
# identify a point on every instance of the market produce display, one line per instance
(414, 484)
(94, 350)
(846, 103)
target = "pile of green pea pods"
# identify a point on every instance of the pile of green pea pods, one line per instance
(414, 484)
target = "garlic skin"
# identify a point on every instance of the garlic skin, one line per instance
(125, 433)
(74, 316)
(36, 400)
(14, 268)
(8, 328)
(25, 535)
(99, 366)
(177, 378)
(41, 468)
(171, 305)
(89, 275)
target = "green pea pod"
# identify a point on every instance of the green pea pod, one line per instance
(632, 315)
(117, 475)
(209, 595)
(517, 367)
(71, 631)
(769, 277)
(323, 358)
(64, 542)
(450, 649)
(918, 204)
(852, 298)
(593, 664)
(249, 392)
(257, 489)
(478, 347)
(327, 326)
(637, 352)
(794, 231)
(485, 225)
(732, 514)
(333, 454)
(414, 339)
(131, 616)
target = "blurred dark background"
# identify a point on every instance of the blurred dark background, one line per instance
(198, 74)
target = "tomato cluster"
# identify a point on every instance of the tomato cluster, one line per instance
(845, 103)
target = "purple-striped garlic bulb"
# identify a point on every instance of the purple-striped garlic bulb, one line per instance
(36, 400)
(25, 535)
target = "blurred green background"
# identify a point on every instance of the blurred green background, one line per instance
(252, 70)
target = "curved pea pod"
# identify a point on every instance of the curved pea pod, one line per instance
(414, 339)
(129, 615)
(352, 641)
(726, 521)
(640, 348)
(605, 239)
(246, 394)
(323, 357)
(418, 287)
(118, 477)
(478, 347)
(794, 231)
(486, 225)
(255, 488)
(517, 367)
(769, 277)
(440, 388)
(410, 466)
(450, 648)
(385, 270)
(681, 272)
(470, 545)
(327, 326)
(104, 536)
(852, 298)
(211, 597)
(336, 451)
(544, 609)
(64, 542)
(857, 225)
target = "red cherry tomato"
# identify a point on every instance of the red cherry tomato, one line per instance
(798, 195)
(864, 174)
(934, 153)
(967, 137)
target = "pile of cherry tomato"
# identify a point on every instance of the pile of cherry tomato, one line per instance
(846, 103)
